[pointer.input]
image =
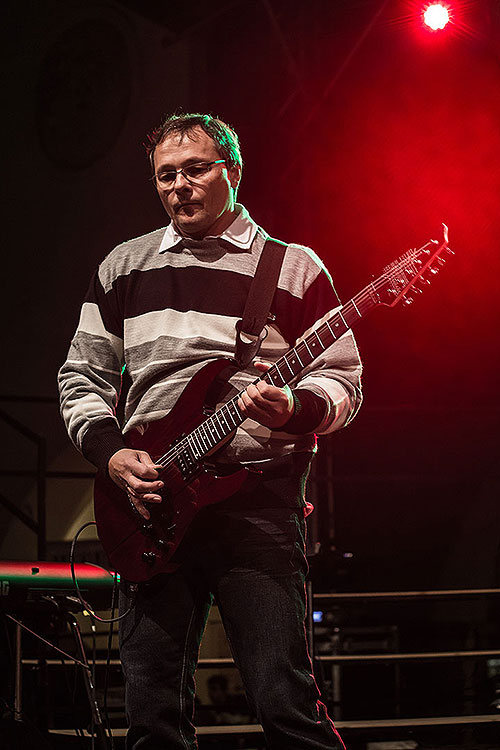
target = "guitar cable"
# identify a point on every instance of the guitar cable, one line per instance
(83, 602)
(110, 620)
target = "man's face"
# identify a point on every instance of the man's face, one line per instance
(198, 207)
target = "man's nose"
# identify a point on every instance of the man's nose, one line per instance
(183, 180)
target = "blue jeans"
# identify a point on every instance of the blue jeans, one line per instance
(253, 563)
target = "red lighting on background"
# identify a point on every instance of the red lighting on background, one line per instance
(436, 16)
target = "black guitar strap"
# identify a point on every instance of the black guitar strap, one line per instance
(258, 304)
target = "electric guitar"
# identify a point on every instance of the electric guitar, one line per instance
(184, 440)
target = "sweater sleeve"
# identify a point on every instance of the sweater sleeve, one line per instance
(90, 379)
(335, 375)
(309, 412)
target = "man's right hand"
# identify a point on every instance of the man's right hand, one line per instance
(135, 473)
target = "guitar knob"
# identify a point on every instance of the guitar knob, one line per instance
(149, 558)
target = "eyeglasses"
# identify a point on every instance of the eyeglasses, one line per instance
(191, 172)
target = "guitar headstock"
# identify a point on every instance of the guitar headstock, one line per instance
(411, 272)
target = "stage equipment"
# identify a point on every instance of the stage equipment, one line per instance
(28, 588)
(22, 581)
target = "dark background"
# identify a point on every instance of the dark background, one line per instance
(361, 132)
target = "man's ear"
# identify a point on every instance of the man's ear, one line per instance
(235, 176)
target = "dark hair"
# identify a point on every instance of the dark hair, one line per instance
(225, 139)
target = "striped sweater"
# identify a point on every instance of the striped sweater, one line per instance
(162, 307)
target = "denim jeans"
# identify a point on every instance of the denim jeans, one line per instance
(253, 563)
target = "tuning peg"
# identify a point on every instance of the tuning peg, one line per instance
(434, 271)
(441, 261)
(407, 301)
(449, 251)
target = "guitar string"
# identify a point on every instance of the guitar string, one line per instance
(401, 266)
(178, 449)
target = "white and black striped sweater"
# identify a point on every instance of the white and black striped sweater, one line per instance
(165, 314)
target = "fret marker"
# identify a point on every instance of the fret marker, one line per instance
(330, 329)
(356, 308)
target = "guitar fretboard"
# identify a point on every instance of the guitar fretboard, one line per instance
(397, 278)
(216, 428)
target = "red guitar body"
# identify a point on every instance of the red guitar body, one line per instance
(140, 549)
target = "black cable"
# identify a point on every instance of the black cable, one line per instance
(108, 664)
(84, 603)
(72, 691)
(94, 616)
(94, 697)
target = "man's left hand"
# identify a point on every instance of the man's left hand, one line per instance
(266, 404)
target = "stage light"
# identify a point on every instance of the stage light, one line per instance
(436, 16)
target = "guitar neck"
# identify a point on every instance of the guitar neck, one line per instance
(227, 418)
(307, 350)
(389, 288)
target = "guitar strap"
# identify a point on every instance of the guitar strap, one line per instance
(260, 296)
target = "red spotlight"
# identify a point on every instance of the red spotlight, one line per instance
(436, 16)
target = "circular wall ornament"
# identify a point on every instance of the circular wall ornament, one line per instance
(83, 93)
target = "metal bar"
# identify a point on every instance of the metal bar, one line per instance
(405, 594)
(424, 655)
(363, 724)
(29, 399)
(18, 676)
(19, 426)
(29, 522)
(40, 443)
(333, 658)
(40, 499)
(223, 662)
(70, 660)
(310, 620)
(48, 643)
(48, 474)
(89, 684)
(419, 722)
(355, 724)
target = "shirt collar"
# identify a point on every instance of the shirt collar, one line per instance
(240, 233)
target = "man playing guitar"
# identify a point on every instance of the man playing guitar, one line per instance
(164, 306)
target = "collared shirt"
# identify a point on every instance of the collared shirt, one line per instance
(240, 232)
